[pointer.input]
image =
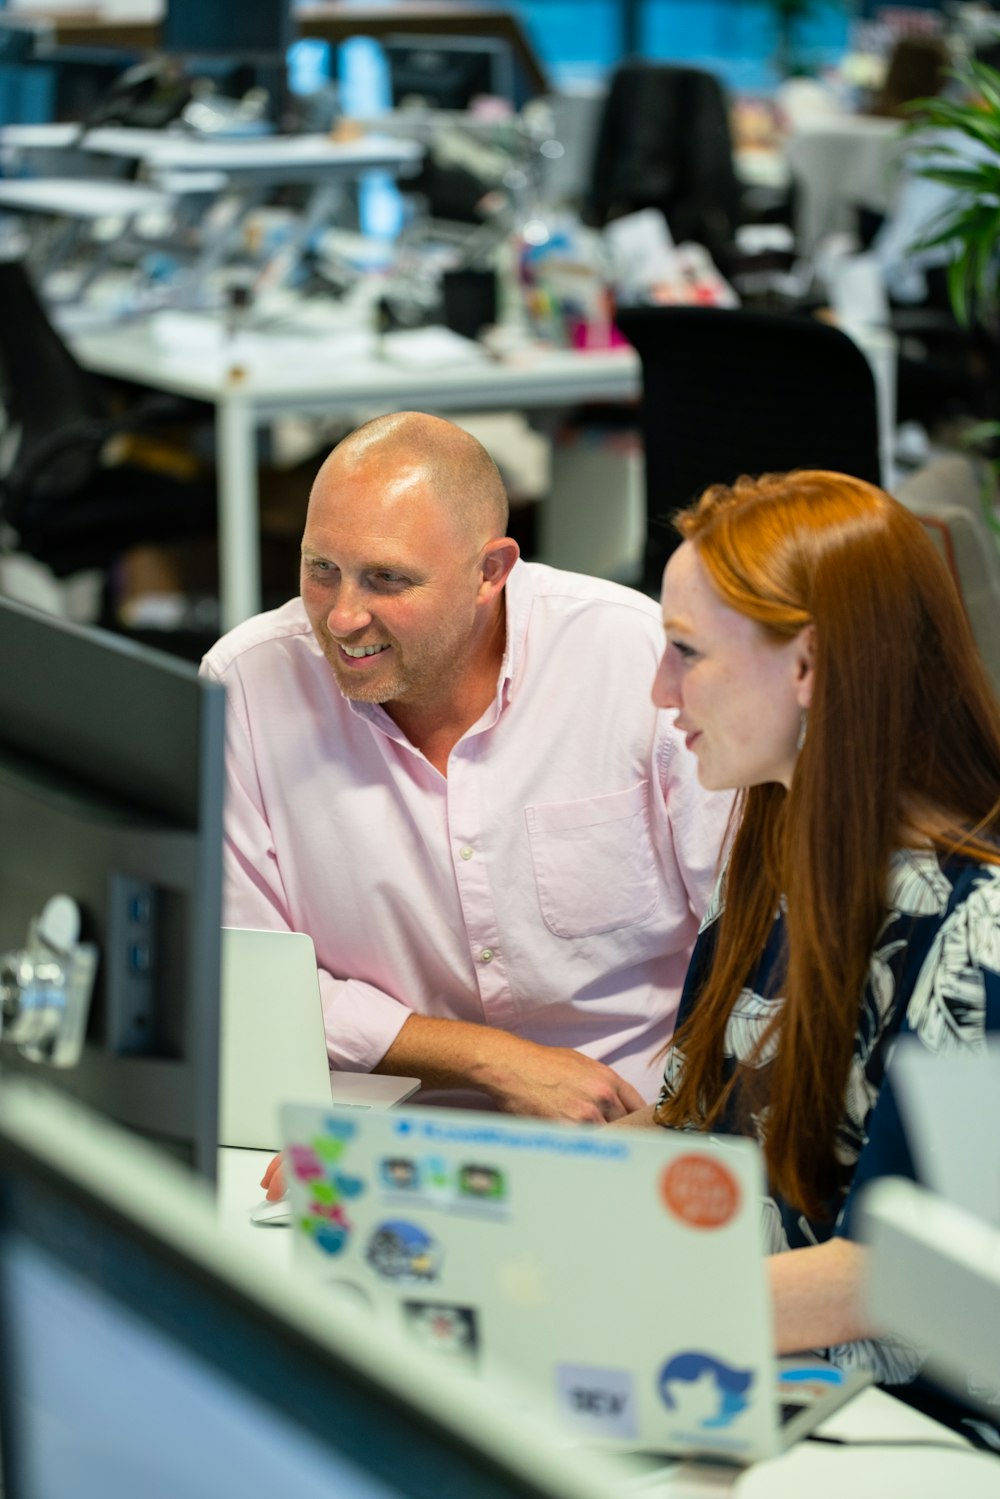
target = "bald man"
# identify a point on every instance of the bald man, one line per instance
(444, 765)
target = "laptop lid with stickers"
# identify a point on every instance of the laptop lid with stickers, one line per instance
(617, 1273)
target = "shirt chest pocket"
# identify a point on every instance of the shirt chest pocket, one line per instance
(593, 861)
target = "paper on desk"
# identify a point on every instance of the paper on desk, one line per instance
(181, 335)
(423, 348)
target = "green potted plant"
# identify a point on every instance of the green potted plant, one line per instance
(965, 157)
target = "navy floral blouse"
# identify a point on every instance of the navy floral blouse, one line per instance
(935, 975)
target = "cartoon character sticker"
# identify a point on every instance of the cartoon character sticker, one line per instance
(705, 1393)
(449, 1331)
(399, 1173)
(402, 1251)
(484, 1183)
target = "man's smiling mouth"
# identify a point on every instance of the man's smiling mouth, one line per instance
(358, 651)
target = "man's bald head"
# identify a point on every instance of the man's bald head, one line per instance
(446, 461)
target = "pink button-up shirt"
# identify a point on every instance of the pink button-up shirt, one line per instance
(551, 885)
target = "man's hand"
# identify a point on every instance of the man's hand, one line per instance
(273, 1180)
(521, 1077)
(553, 1082)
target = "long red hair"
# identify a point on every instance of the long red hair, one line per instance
(903, 745)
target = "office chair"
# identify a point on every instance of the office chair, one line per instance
(62, 500)
(664, 142)
(729, 392)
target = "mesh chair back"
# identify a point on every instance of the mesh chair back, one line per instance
(728, 392)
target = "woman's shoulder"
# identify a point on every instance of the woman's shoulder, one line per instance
(955, 996)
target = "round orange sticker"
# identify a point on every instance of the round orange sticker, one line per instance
(700, 1190)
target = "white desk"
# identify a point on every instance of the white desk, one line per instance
(72, 197)
(254, 378)
(280, 158)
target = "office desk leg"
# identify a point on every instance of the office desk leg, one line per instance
(239, 522)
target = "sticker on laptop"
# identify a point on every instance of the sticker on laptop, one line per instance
(699, 1190)
(405, 1252)
(478, 1182)
(598, 1401)
(448, 1331)
(317, 1165)
(474, 1187)
(808, 1381)
(704, 1392)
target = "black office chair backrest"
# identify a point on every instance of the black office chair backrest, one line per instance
(664, 142)
(45, 391)
(729, 392)
(66, 504)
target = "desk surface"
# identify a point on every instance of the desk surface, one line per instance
(333, 368)
(279, 158)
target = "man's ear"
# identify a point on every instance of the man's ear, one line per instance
(498, 557)
(805, 665)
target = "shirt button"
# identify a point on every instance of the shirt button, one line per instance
(465, 853)
(486, 956)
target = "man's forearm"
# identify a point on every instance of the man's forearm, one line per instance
(449, 1053)
(521, 1077)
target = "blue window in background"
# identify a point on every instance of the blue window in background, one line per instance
(735, 38)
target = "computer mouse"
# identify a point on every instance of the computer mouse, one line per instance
(272, 1214)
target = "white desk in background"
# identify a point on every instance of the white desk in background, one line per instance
(255, 378)
(245, 170)
(839, 164)
(271, 158)
(891, 1457)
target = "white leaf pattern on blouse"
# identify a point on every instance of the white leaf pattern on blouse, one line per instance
(748, 1020)
(916, 885)
(948, 1005)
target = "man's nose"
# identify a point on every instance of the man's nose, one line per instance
(348, 612)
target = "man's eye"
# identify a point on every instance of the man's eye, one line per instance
(389, 580)
(686, 652)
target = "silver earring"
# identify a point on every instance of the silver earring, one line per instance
(803, 723)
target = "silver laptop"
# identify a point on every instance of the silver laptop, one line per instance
(617, 1273)
(273, 1041)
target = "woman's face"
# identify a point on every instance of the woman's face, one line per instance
(739, 696)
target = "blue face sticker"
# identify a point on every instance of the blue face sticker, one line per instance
(704, 1391)
(403, 1251)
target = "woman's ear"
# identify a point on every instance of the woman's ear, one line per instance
(805, 665)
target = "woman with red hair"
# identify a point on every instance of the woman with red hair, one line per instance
(820, 661)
